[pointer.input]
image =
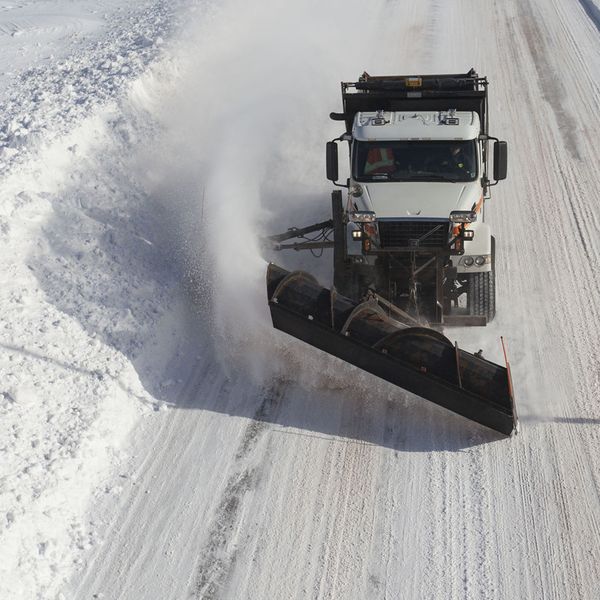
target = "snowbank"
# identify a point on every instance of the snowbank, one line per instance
(84, 284)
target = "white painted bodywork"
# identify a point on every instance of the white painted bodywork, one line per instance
(421, 199)
(431, 199)
(422, 125)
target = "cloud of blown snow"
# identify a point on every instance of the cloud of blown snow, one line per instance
(247, 126)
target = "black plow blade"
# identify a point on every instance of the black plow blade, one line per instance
(418, 359)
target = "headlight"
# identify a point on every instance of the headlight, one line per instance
(363, 216)
(463, 216)
(479, 261)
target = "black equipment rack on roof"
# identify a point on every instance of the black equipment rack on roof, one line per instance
(465, 92)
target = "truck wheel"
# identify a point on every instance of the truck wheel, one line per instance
(482, 295)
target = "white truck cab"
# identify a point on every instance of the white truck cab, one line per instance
(412, 220)
(418, 166)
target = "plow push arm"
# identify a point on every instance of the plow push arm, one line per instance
(325, 228)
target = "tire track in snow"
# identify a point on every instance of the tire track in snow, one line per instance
(584, 347)
(352, 518)
(584, 83)
(477, 526)
(558, 184)
(442, 530)
(463, 533)
(592, 11)
(434, 20)
(114, 563)
(559, 189)
(221, 549)
(551, 84)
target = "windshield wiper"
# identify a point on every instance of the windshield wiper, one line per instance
(437, 177)
(416, 177)
(425, 177)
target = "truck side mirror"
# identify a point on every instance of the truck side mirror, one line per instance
(500, 160)
(332, 161)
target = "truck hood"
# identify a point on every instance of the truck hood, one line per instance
(419, 199)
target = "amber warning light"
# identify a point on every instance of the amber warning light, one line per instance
(414, 82)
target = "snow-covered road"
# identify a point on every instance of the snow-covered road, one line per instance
(187, 449)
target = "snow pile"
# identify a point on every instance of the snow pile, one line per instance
(50, 95)
(82, 292)
(85, 283)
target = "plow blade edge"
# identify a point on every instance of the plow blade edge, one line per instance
(418, 359)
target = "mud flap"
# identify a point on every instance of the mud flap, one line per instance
(418, 359)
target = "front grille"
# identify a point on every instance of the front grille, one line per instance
(413, 234)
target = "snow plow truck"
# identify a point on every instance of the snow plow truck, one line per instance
(411, 251)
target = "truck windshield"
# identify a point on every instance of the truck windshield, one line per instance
(446, 160)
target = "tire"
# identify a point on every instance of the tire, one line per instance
(482, 295)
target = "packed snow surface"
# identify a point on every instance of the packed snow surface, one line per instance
(159, 439)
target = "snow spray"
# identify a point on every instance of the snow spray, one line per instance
(251, 115)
